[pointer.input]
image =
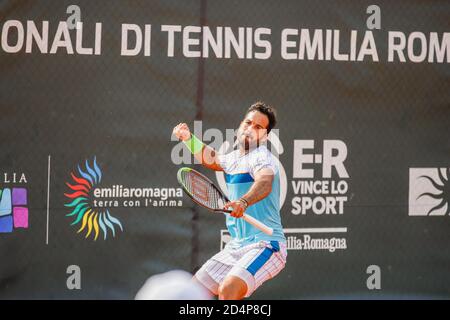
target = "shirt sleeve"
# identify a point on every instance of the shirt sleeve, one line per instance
(262, 160)
(223, 161)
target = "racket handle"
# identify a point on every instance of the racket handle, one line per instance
(258, 224)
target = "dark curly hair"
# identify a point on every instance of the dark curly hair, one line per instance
(269, 111)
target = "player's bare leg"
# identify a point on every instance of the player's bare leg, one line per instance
(232, 288)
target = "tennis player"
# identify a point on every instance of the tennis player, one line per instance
(251, 173)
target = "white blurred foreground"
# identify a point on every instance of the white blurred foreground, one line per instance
(172, 285)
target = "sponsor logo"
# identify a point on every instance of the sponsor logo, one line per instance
(319, 179)
(90, 201)
(14, 212)
(311, 241)
(306, 239)
(90, 220)
(429, 191)
(320, 186)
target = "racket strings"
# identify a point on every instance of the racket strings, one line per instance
(213, 196)
(202, 190)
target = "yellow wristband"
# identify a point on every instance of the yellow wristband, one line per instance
(194, 144)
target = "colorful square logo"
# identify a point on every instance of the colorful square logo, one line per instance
(13, 209)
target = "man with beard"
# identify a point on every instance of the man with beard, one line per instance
(251, 173)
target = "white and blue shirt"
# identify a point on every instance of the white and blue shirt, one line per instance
(240, 171)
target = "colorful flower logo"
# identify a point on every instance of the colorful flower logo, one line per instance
(92, 220)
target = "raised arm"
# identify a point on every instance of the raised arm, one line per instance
(206, 155)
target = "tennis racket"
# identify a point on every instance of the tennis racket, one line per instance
(203, 192)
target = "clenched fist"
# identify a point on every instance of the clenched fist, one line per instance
(182, 132)
(237, 207)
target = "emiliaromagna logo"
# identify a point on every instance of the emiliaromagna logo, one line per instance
(90, 219)
(90, 201)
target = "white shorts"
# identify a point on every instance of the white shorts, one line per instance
(254, 264)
